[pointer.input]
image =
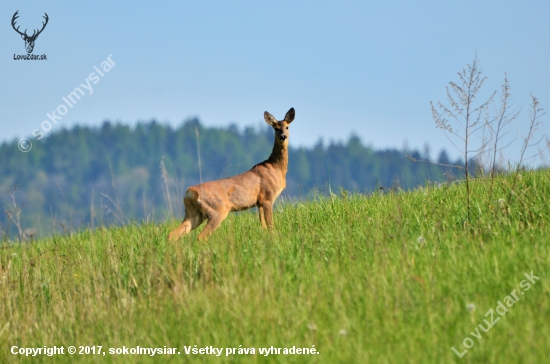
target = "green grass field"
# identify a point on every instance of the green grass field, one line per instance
(388, 278)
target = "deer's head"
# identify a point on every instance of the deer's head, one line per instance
(280, 127)
(29, 39)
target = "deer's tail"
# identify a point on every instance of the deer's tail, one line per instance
(191, 196)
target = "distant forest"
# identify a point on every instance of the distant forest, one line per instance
(86, 177)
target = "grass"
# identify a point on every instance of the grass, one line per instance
(392, 278)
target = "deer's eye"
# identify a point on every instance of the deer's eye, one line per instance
(287, 128)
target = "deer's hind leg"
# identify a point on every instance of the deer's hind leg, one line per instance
(215, 219)
(193, 219)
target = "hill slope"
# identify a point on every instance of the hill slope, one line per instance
(392, 278)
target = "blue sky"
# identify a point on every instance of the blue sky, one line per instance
(364, 67)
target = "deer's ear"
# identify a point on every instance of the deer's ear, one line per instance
(270, 119)
(289, 115)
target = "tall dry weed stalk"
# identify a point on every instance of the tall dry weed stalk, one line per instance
(535, 123)
(15, 214)
(198, 154)
(165, 178)
(496, 126)
(462, 118)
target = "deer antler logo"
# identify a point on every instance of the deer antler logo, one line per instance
(29, 40)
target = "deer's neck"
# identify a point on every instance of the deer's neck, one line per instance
(279, 157)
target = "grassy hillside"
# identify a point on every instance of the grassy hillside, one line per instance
(387, 278)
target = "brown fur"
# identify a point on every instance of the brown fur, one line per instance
(259, 186)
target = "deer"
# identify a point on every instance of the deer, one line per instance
(258, 187)
(29, 40)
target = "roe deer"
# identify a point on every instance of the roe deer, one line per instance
(259, 186)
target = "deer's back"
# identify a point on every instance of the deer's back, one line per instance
(243, 191)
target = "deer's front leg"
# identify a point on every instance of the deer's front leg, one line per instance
(262, 216)
(268, 213)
